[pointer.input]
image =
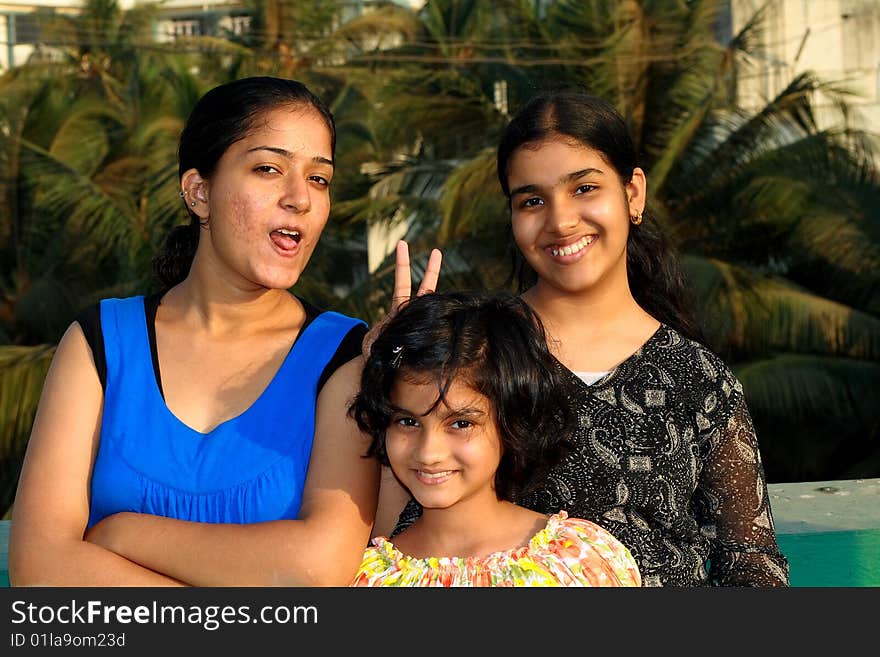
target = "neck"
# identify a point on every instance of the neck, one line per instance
(598, 309)
(220, 308)
(467, 529)
(592, 330)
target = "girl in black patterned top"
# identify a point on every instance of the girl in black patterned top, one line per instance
(666, 457)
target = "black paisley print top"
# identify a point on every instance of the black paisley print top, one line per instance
(666, 459)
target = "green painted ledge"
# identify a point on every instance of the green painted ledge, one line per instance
(829, 530)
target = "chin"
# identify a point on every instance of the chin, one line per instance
(277, 281)
(580, 281)
(431, 502)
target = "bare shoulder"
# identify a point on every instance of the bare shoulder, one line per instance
(344, 383)
(72, 380)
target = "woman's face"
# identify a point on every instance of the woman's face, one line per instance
(450, 455)
(571, 214)
(268, 199)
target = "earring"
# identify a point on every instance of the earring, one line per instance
(193, 203)
(636, 219)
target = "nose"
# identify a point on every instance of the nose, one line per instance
(296, 197)
(430, 448)
(562, 217)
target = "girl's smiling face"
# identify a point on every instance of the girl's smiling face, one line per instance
(268, 200)
(448, 455)
(570, 213)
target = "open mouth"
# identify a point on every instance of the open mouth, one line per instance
(431, 478)
(286, 238)
(572, 249)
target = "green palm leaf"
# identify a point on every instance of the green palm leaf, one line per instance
(22, 371)
(831, 401)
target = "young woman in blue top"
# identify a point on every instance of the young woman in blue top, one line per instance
(200, 436)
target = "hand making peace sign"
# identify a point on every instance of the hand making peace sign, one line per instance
(403, 288)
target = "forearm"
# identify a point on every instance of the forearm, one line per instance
(731, 499)
(71, 562)
(754, 566)
(392, 499)
(276, 553)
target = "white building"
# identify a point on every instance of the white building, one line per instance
(839, 40)
(20, 32)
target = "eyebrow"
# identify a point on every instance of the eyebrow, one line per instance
(466, 411)
(285, 153)
(567, 178)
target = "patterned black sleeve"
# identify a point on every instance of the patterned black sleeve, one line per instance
(731, 502)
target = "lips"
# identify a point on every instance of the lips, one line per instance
(434, 478)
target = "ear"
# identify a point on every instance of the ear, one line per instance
(194, 190)
(637, 192)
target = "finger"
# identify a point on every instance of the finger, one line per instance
(369, 339)
(432, 273)
(402, 276)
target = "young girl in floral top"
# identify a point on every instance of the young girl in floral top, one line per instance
(465, 403)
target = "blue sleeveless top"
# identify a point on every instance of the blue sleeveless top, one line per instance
(251, 468)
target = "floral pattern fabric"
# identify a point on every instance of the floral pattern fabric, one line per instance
(567, 552)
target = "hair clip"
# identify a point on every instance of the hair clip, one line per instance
(398, 356)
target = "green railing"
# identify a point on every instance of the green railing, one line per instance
(829, 530)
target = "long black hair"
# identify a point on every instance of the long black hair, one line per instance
(496, 344)
(652, 268)
(223, 116)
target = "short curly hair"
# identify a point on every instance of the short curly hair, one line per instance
(497, 345)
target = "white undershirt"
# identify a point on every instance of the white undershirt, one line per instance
(590, 377)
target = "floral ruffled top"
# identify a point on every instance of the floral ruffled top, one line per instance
(567, 552)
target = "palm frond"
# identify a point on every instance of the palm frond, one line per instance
(831, 401)
(747, 313)
(466, 206)
(67, 198)
(22, 371)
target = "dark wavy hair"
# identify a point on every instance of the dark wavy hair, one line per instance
(224, 115)
(496, 344)
(652, 268)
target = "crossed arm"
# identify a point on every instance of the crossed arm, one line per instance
(48, 547)
(323, 547)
